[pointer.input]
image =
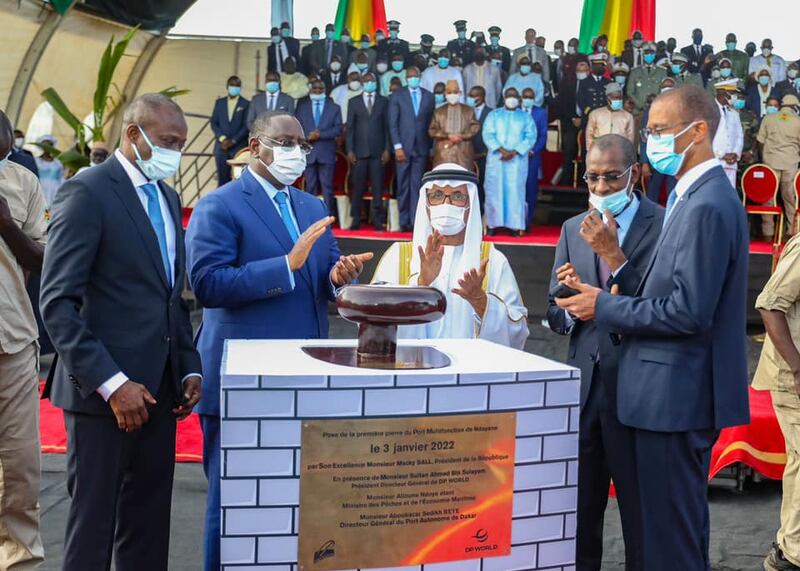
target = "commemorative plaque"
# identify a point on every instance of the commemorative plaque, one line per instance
(405, 491)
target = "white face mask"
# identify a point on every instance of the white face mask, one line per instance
(19, 141)
(382, 67)
(287, 164)
(766, 52)
(335, 66)
(452, 98)
(447, 219)
(512, 102)
(354, 85)
(571, 49)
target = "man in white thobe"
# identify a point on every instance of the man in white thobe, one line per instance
(448, 253)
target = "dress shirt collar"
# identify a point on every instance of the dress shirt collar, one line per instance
(479, 109)
(134, 174)
(693, 175)
(367, 96)
(268, 187)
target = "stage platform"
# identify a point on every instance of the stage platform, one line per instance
(532, 256)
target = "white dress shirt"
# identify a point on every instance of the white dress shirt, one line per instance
(139, 180)
(691, 176)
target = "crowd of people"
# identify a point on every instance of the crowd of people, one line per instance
(655, 308)
(421, 98)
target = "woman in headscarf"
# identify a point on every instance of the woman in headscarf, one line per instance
(448, 253)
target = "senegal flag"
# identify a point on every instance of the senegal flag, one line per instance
(618, 19)
(360, 17)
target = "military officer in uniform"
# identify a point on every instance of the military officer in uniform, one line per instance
(425, 52)
(619, 73)
(749, 122)
(645, 80)
(494, 42)
(592, 92)
(461, 47)
(679, 70)
(393, 45)
(739, 60)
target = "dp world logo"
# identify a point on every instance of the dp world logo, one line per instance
(481, 535)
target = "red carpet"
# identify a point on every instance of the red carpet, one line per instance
(188, 446)
(537, 236)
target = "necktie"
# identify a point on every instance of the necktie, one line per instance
(671, 200)
(157, 220)
(603, 272)
(283, 206)
(330, 52)
(415, 101)
(316, 113)
(271, 103)
(530, 54)
(369, 104)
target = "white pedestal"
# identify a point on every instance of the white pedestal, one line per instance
(269, 387)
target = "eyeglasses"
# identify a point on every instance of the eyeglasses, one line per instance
(658, 131)
(593, 179)
(456, 198)
(287, 145)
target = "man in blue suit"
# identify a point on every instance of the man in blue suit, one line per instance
(321, 118)
(229, 123)
(127, 369)
(264, 264)
(410, 112)
(683, 355)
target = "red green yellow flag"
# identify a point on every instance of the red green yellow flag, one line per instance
(61, 6)
(360, 17)
(618, 19)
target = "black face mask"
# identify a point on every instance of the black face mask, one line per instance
(598, 70)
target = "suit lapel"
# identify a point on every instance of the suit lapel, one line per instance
(124, 189)
(640, 225)
(177, 223)
(302, 212)
(585, 260)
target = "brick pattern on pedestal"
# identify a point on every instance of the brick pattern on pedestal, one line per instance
(261, 422)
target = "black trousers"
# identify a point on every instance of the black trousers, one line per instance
(569, 148)
(672, 469)
(121, 489)
(408, 181)
(606, 451)
(319, 178)
(372, 168)
(223, 168)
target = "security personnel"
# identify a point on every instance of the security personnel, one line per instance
(645, 80)
(592, 92)
(394, 45)
(425, 51)
(494, 42)
(679, 70)
(749, 121)
(461, 47)
(739, 60)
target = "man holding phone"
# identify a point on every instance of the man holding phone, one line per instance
(620, 231)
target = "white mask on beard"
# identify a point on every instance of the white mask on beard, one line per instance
(447, 219)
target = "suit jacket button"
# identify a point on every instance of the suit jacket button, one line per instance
(167, 339)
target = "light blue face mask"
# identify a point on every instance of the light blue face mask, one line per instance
(444, 62)
(616, 104)
(439, 98)
(797, 83)
(730, 45)
(676, 69)
(527, 102)
(273, 86)
(763, 79)
(234, 90)
(649, 58)
(362, 67)
(370, 86)
(4, 162)
(397, 65)
(413, 82)
(739, 104)
(314, 37)
(621, 79)
(365, 45)
(330, 35)
(725, 72)
(495, 40)
(661, 152)
(163, 163)
(525, 69)
(616, 202)
(316, 96)
(471, 101)
(771, 110)
(286, 32)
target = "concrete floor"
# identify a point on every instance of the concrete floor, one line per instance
(742, 525)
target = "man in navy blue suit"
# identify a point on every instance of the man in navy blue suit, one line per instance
(321, 118)
(410, 112)
(683, 355)
(264, 264)
(229, 123)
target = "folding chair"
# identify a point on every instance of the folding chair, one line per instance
(760, 186)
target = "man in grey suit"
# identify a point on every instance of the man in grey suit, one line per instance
(621, 228)
(533, 52)
(683, 354)
(273, 99)
(127, 369)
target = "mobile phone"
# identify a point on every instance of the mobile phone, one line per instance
(562, 291)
